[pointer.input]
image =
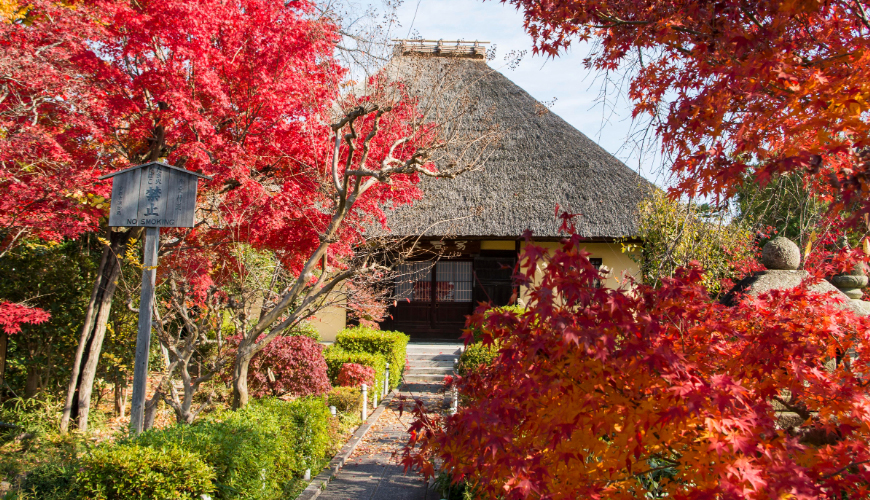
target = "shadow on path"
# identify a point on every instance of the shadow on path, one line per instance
(373, 471)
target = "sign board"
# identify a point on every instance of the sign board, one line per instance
(153, 195)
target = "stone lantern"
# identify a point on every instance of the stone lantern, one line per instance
(782, 258)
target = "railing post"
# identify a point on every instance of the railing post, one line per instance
(387, 381)
(365, 402)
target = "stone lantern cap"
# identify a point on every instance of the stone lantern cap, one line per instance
(781, 254)
(782, 258)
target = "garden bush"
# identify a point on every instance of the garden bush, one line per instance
(127, 471)
(389, 344)
(476, 329)
(354, 375)
(476, 356)
(305, 329)
(257, 450)
(50, 481)
(346, 399)
(297, 365)
(336, 357)
(39, 416)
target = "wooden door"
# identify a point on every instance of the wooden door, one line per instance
(432, 299)
(452, 297)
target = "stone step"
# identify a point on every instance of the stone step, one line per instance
(429, 362)
(430, 369)
(435, 357)
(425, 378)
(447, 349)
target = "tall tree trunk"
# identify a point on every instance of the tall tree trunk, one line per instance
(94, 330)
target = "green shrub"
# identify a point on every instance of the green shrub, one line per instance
(254, 451)
(127, 471)
(304, 423)
(346, 399)
(391, 345)
(304, 329)
(51, 481)
(476, 355)
(39, 416)
(336, 357)
(478, 332)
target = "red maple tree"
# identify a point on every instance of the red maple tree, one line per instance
(248, 92)
(657, 393)
(735, 88)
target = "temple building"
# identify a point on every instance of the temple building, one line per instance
(475, 223)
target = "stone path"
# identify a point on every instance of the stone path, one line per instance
(372, 472)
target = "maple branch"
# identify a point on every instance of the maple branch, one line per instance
(335, 180)
(654, 469)
(615, 22)
(842, 469)
(751, 17)
(862, 14)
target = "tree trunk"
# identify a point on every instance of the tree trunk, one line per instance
(94, 330)
(151, 410)
(120, 396)
(4, 337)
(32, 382)
(240, 378)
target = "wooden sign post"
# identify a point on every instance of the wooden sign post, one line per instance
(152, 195)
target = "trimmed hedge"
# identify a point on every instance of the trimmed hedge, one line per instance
(253, 451)
(128, 471)
(336, 357)
(389, 344)
(477, 355)
(346, 399)
(477, 332)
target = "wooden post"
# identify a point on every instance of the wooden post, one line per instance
(143, 338)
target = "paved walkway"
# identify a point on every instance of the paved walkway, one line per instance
(372, 472)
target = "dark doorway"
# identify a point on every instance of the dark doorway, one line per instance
(432, 299)
(493, 277)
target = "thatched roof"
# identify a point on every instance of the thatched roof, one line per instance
(540, 162)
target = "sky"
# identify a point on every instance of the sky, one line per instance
(572, 89)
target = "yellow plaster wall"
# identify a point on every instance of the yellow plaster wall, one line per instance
(498, 245)
(329, 321)
(332, 320)
(612, 257)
